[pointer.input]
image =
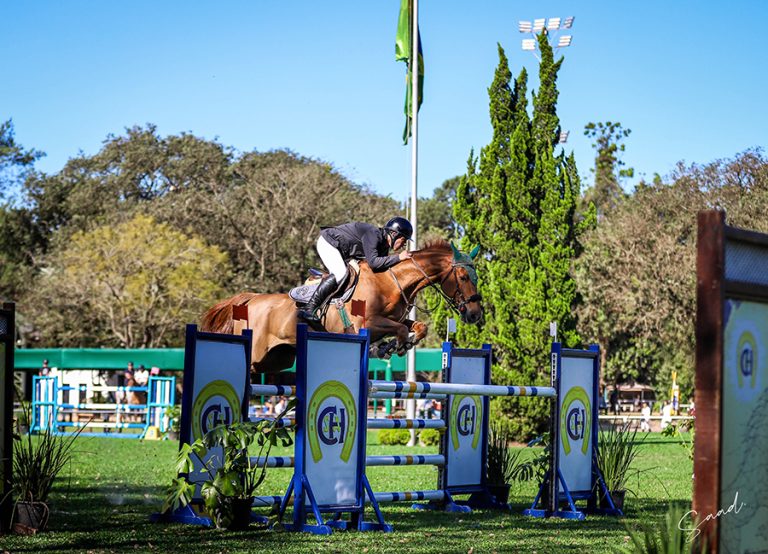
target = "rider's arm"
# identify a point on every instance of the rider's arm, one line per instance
(370, 243)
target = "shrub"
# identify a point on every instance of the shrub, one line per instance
(429, 437)
(394, 436)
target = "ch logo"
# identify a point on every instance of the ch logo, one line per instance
(332, 420)
(747, 359)
(576, 423)
(215, 415)
(217, 403)
(466, 419)
(575, 420)
(465, 422)
(331, 425)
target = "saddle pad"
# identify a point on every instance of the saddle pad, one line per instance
(303, 293)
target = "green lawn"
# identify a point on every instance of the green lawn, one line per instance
(103, 502)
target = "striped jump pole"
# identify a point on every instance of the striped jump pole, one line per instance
(273, 390)
(406, 395)
(458, 388)
(406, 424)
(370, 461)
(269, 501)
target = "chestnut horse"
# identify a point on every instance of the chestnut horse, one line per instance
(388, 295)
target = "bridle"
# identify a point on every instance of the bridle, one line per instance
(458, 305)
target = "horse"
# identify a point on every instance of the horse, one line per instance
(389, 295)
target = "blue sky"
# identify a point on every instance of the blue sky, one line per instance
(320, 78)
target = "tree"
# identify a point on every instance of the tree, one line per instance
(130, 285)
(606, 192)
(436, 212)
(268, 213)
(14, 160)
(518, 201)
(637, 273)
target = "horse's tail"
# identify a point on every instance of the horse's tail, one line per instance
(219, 318)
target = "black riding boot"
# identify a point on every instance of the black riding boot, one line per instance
(323, 291)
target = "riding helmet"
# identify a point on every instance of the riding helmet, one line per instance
(400, 226)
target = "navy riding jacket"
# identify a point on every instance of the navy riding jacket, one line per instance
(361, 241)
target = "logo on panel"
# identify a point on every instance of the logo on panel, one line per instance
(217, 404)
(575, 420)
(466, 419)
(332, 421)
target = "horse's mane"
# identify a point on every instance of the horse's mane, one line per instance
(437, 244)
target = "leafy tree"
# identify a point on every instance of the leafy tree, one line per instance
(436, 212)
(608, 139)
(637, 274)
(129, 285)
(14, 159)
(267, 214)
(518, 201)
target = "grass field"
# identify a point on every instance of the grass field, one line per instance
(103, 501)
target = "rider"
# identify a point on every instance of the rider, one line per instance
(356, 241)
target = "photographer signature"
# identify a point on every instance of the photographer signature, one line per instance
(694, 532)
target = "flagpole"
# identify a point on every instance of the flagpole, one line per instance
(410, 408)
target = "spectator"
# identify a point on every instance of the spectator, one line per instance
(438, 408)
(155, 371)
(124, 380)
(645, 424)
(282, 402)
(141, 376)
(429, 408)
(666, 414)
(45, 370)
(615, 401)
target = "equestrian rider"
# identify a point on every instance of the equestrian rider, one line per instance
(356, 241)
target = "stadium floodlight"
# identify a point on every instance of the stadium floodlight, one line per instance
(538, 24)
(524, 26)
(568, 23)
(564, 41)
(553, 24)
(563, 137)
(529, 44)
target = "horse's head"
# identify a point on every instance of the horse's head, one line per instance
(460, 286)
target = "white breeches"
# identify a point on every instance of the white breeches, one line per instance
(332, 259)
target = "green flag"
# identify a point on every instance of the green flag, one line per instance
(403, 48)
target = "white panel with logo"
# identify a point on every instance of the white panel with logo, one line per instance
(331, 453)
(465, 424)
(576, 401)
(219, 389)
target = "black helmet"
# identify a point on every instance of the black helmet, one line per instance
(400, 226)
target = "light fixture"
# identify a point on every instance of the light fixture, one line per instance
(524, 26)
(553, 24)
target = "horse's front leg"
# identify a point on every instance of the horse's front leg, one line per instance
(419, 330)
(381, 327)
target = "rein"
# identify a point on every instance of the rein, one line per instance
(459, 307)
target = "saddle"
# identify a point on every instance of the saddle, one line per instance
(303, 293)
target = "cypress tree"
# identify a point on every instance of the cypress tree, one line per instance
(518, 201)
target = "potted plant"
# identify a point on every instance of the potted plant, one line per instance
(617, 451)
(504, 465)
(37, 461)
(173, 413)
(233, 477)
